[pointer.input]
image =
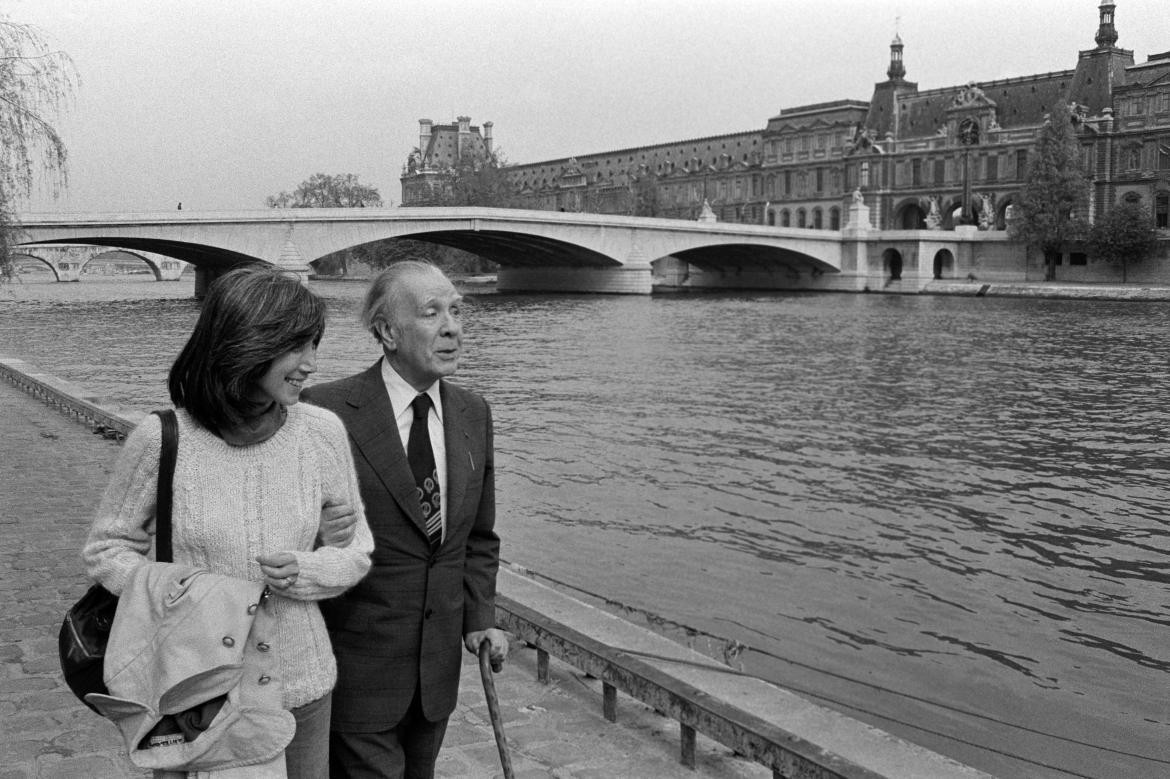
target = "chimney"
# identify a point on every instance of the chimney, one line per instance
(424, 135)
(464, 135)
(487, 138)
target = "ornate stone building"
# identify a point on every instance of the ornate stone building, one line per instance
(921, 159)
(935, 158)
(440, 146)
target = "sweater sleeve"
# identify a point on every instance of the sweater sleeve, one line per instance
(122, 531)
(329, 571)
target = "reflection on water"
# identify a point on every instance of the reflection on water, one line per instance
(944, 516)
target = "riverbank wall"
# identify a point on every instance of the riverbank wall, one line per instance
(963, 261)
(560, 688)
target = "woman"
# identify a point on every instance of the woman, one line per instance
(254, 473)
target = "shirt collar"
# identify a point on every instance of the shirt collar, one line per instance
(401, 393)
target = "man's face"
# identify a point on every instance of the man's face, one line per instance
(424, 340)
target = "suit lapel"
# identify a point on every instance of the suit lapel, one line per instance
(459, 460)
(375, 433)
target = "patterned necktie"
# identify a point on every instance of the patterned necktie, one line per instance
(422, 465)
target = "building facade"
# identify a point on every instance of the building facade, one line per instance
(440, 148)
(920, 159)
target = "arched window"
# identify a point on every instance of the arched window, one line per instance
(785, 218)
(801, 218)
(834, 218)
(817, 219)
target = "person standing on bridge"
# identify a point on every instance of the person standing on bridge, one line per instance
(424, 453)
(260, 480)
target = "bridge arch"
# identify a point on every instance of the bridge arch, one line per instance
(161, 269)
(512, 249)
(741, 256)
(19, 253)
(892, 264)
(944, 264)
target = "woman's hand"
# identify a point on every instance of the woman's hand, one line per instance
(280, 569)
(338, 524)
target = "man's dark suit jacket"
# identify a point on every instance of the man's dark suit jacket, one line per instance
(403, 625)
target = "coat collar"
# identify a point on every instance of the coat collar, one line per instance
(376, 435)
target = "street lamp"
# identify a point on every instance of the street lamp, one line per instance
(968, 137)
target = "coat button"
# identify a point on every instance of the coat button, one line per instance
(252, 609)
(263, 647)
(265, 679)
(428, 613)
(229, 641)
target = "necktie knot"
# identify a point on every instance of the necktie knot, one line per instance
(421, 405)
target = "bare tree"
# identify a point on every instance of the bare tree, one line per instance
(35, 83)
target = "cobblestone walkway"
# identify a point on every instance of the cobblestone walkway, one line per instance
(54, 469)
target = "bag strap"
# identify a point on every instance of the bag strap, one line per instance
(166, 475)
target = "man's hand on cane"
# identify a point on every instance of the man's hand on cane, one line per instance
(496, 638)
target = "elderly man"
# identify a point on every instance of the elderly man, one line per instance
(424, 454)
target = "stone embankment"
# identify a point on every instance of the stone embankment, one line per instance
(1049, 289)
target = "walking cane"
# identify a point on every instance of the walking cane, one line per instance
(489, 692)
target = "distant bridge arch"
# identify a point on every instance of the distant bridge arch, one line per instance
(68, 261)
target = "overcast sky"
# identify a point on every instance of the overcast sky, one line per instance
(219, 103)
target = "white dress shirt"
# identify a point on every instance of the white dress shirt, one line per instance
(401, 394)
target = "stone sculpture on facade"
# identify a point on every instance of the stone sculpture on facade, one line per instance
(986, 213)
(933, 215)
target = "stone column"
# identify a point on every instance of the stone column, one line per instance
(292, 260)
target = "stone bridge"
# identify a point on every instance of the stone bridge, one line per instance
(536, 250)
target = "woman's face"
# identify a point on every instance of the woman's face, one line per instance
(285, 378)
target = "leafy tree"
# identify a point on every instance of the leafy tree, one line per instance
(35, 82)
(1048, 213)
(345, 191)
(474, 180)
(1123, 236)
(644, 199)
(324, 191)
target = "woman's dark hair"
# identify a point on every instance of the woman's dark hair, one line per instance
(251, 316)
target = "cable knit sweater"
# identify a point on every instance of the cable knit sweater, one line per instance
(233, 503)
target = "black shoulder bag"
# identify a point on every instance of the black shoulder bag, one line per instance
(86, 629)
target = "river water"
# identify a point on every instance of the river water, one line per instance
(944, 516)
